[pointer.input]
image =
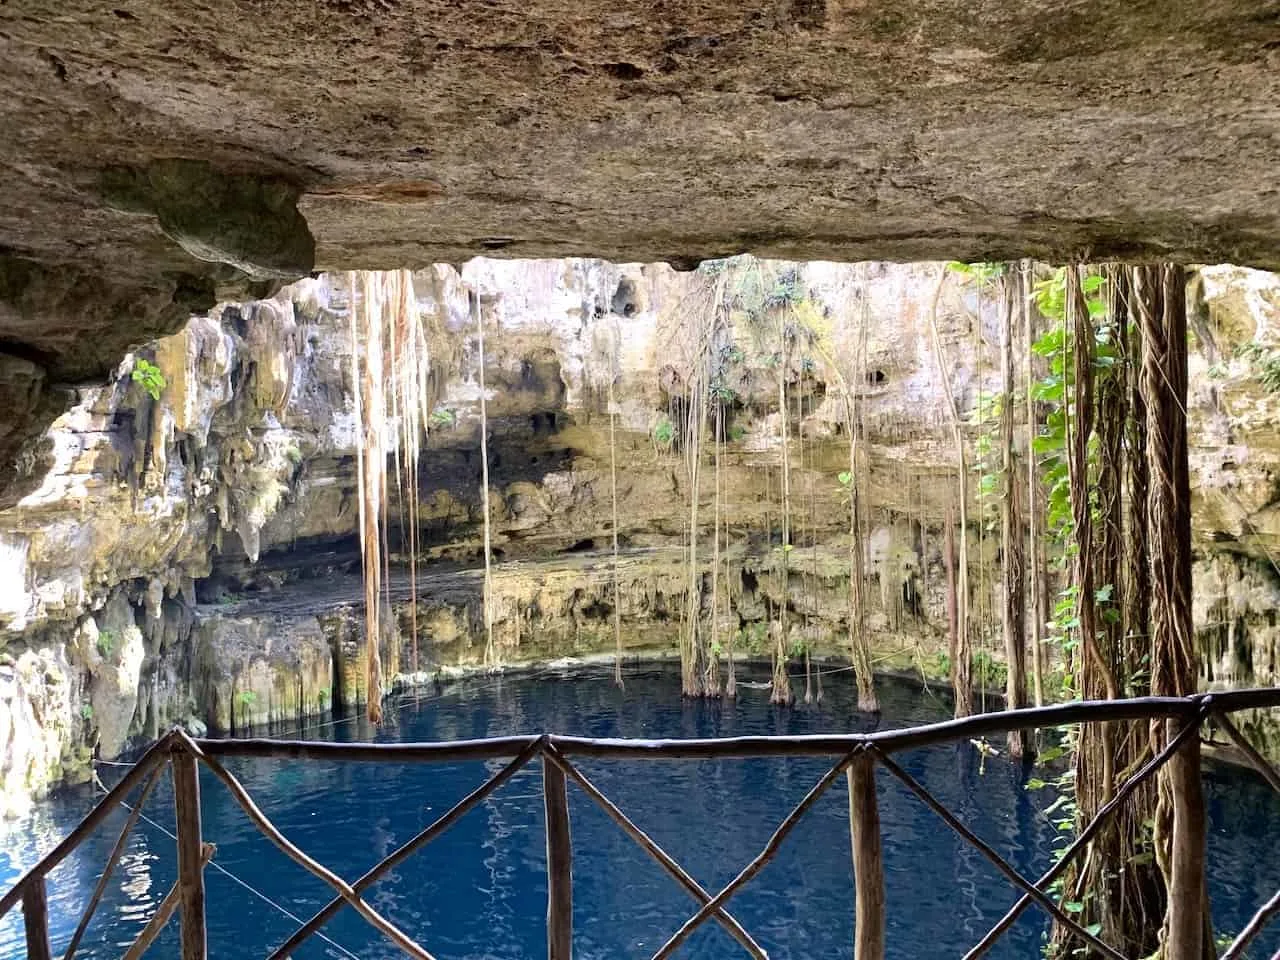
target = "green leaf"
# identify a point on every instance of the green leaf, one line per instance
(148, 375)
(1104, 593)
(1073, 906)
(1050, 343)
(1093, 929)
(845, 478)
(1049, 754)
(1035, 783)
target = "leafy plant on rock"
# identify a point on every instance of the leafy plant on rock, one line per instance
(148, 376)
(664, 433)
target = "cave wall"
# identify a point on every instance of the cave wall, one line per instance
(192, 559)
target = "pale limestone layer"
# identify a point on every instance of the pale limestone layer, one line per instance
(208, 537)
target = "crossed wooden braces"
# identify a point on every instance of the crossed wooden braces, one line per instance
(858, 758)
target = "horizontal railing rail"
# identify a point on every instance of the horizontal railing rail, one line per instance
(857, 758)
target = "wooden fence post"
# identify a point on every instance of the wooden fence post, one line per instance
(186, 802)
(35, 916)
(559, 863)
(868, 865)
(1185, 918)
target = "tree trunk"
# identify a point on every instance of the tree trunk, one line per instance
(1179, 827)
(1122, 892)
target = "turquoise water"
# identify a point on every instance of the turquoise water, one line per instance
(479, 891)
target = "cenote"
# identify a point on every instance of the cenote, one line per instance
(479, 891)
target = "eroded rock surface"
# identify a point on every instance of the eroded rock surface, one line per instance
(423, 130)
(155, 153)
(192, 559)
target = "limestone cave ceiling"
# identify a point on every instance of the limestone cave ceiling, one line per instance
(158, 154)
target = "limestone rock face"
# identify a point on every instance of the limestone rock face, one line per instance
(1235, 410)
(420, 131)
(162, 153)
(251, 671)
(192, 559)
(41, 718)
(114, 654)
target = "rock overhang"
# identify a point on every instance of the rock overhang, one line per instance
(160, 155)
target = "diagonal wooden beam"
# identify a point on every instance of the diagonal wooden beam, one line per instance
(300, 857)
(761, 859)
(1266, 913)
(1259, 762)
(375, 873)
(1086, 836)
(112, 860)
(1000, 863)
(651, 847)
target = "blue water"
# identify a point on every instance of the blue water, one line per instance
(479, 891)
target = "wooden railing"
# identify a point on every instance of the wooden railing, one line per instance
(858, 758)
